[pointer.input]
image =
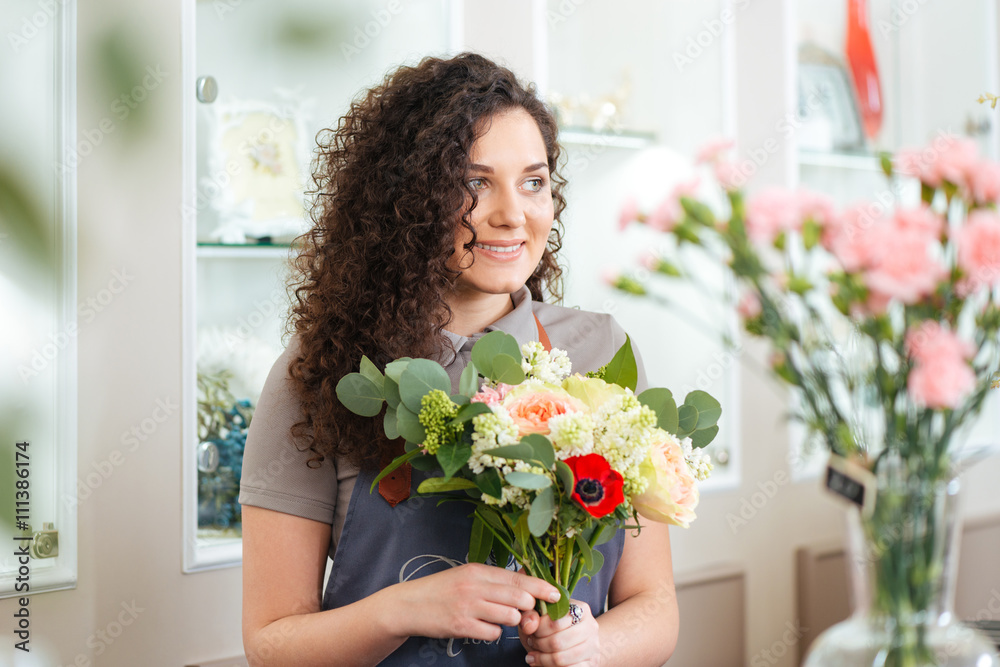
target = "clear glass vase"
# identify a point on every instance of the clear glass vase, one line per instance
(902, 561)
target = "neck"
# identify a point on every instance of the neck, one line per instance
(471, 313)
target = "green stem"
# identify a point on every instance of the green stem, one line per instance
(578, 569)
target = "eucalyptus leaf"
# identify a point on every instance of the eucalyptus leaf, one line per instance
(542, 450)
(543, 508)
(389, 424)
(565, 474)
(394, 369)
(359, 395)
(708, 408)
(490, 346)
(442, 484)
(507, 369)
(622, 369)
(460, 399)
(371, 371)
(704, 436)
(662, 402)
(420, 378)
(391, 392)
(527, 480)
(468, 382)
(409, 425)
(598, 563)
(687, 419)
(519, 452)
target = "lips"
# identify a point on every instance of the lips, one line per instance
(500, 250)
(496, 247)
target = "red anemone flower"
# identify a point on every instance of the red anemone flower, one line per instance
(596, 486)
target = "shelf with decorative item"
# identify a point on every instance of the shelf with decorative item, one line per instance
(860, 160)
(244, 250)
(615, 138)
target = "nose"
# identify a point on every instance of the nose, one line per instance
(508, 209)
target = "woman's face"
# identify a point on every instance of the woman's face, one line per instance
(510, 173)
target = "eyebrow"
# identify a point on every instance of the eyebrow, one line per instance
(489, 170)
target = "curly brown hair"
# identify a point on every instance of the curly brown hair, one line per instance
(391, 190)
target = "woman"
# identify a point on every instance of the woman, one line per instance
(435, 220)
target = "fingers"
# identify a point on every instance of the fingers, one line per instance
(529, 622)
(559, 643)
(537, 588)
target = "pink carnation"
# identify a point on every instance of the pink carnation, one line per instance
(728, 176)
(979, 249)
(666, 216)
(712, 151)
(984, 182)
(905, 270)
(628, 213)
(921, 220)
(942, 383)
(771, 212)
(849, 238)
(491, 396)
(948, 158)
(749, 306)
(815, 206)
(930, 343)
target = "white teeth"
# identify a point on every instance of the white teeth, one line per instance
(497, 248)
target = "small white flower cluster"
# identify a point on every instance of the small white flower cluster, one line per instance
(572, 434)
(491, 430)
(623, 435)
(698, 460)
(543, 365)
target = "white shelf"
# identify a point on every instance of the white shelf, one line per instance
(243, 251)
(857, 161)
(622, 139)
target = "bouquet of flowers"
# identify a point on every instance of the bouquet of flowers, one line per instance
(885, 322)
(553, 463)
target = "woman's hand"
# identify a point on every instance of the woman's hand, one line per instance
(561, 643)
(472, 600)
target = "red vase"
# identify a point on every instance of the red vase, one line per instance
(864, 71)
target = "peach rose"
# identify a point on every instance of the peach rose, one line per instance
(531, 411)
(672, 493)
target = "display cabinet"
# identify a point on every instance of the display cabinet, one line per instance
(634, 112)
(261, 79)
(928, 66)
(40, 314)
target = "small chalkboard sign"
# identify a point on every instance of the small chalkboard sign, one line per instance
(851, 482)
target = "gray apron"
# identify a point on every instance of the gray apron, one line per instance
(382, 545)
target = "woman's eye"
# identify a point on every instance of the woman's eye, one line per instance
(477, 183)
(535, 184)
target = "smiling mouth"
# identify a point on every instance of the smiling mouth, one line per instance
(503, 249)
